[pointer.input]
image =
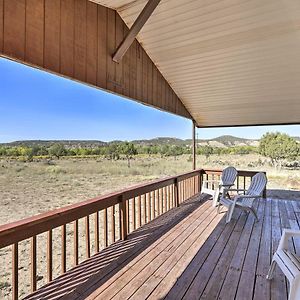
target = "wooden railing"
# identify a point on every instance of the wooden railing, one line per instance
(85, 228)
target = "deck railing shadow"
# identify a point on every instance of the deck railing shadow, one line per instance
(92, 273)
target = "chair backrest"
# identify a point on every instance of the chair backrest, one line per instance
(229, 175)
(258, 184)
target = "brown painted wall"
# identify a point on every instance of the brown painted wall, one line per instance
(76, 38)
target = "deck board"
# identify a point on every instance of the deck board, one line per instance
(187, 253)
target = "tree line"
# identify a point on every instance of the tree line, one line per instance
(277, 146)
(114, 150)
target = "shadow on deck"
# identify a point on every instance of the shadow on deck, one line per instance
(187, 253)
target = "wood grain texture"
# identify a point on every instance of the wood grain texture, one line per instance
(1, 24)
(52, 35)
(14, 28)
(77, 38)
(91, 43)
(34, 48)
(67, 47)
(102, 13)
(80, 39)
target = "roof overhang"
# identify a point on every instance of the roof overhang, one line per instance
(232, 63)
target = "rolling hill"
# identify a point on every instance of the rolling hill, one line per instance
(221, 141)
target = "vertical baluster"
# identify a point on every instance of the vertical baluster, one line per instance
(148, 207)
(169, 198)
(105, 227)
(182, 191)
(158, 202)
(49, 256)
(176, 193)
(75, 242)
(120, 218)
(244, 184)
(207, 180)
(237, 182)
(145, 208)
(173, 196)
(165, 198)
(153, 204)
(33, 264)
(200, 181)
(133, 214)
(63, 248)
(162, 200)
(97, 231)
(128, 214)
(139, 220)
(179, 192)
(87, 237)
(15, 267)
(113, 235)
(123, 219)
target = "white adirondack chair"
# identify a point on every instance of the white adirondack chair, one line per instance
(227, 181)
(244, 201)
(288, 262)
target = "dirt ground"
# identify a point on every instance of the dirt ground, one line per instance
(29, 188)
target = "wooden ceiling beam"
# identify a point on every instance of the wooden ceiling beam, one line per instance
(135, 29)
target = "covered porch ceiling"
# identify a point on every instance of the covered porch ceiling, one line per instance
(231, 62)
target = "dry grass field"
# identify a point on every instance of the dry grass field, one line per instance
(29, 188)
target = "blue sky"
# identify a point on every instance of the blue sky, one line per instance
(38, 105)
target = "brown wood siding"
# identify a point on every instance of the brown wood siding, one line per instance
(1, 24)
(77, 38)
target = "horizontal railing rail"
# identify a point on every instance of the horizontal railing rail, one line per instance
(113, 217)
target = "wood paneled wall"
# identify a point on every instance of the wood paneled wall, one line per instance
(76, 38)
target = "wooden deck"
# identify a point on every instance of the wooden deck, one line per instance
(187, 253)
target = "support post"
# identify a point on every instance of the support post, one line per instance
(194, 146)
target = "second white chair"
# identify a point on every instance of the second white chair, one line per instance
(244, 201)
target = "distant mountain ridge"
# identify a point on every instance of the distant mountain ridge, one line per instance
(221, 141)
(224, 141)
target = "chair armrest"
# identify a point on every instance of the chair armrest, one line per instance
(287, 233)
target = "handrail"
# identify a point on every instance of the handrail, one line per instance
(26, 228)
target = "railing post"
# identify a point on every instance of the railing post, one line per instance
(124, 229)
(176, 194)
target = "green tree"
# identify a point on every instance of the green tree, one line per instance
(128, 149)
(112, 151)
(57, 150)
(175, 151)
(278, 147)
(207, 151)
